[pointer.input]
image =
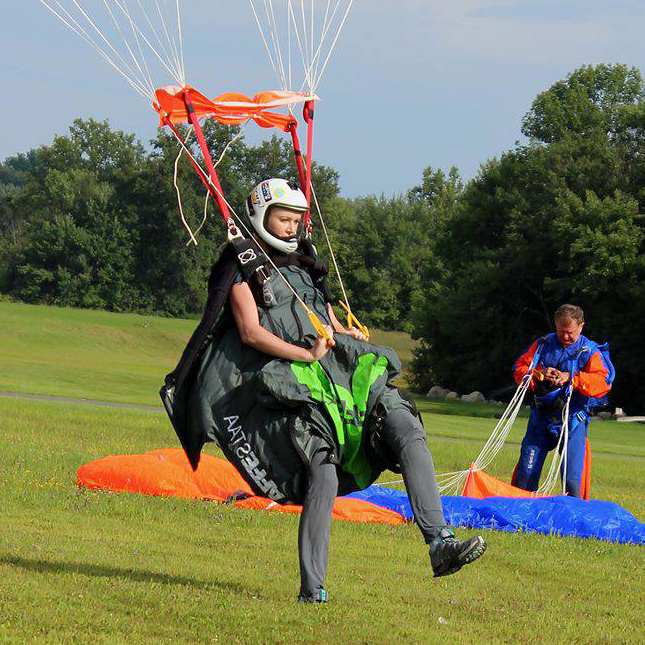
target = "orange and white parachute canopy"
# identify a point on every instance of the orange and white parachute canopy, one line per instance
(230, 108)
(142, 40)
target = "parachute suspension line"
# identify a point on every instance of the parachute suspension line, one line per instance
(93, 25)
(307, 80)
(275, 37)
(137, 71)
(352, 321)
(143, 63)
(217, 163)
(315, 58)
(333, 45)
(310, 29)
(145, 74)
(204, 176)
(212, 173)
(239, 135)
(137, 84)
(454, 481)
(177, 190)
(175, 73)
(504, 426)
(560, 452)
(264, 40)
(193, 236)
(305, 179)
(305, 35)
(201, 173)
(311, 57)
(565, 432)
(181, 39)
(289, 50)
(205, 215)
(315, 63)
(331, 251)
(172, 43)
(394, 481)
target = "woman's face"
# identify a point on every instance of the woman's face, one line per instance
(283, 222)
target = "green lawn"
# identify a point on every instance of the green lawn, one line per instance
(100, 355)
(79, 566)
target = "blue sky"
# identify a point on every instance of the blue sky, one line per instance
(411, 83)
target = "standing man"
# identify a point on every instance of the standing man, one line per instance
(564, 357)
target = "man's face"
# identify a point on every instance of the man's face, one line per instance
(283, 222)
(568, 331)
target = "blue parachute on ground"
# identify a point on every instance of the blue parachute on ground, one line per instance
(558, 515)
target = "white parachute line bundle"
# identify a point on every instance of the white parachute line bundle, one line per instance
(129, 23)
(307, 27)
(454, 481)
(559, 454)
(504, 425)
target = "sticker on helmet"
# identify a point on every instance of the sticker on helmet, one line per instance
(255, 198)
(265, 192)
(278, 193)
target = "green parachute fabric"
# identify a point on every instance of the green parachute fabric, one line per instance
(270, 416)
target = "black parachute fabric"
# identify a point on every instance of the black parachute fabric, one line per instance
(269, 415)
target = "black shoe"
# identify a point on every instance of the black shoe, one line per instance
(448, 554)
(317, 596)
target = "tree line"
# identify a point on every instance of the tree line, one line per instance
(474, 270)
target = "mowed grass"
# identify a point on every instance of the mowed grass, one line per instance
(79, 566)
(100, 355)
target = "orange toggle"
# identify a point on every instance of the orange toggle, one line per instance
(352, 321)
(318, 326)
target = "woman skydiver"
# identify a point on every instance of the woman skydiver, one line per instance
(301, 417)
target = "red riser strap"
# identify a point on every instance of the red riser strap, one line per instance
(218, 192)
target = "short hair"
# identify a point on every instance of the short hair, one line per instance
(569, 311)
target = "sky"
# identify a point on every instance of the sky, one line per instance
(410, 84)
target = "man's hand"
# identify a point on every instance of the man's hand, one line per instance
(556, 377)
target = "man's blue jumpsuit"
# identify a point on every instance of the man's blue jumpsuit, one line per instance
(592, 379)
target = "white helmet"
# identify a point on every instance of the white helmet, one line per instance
(274, 192)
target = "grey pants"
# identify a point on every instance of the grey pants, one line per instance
(404, 435)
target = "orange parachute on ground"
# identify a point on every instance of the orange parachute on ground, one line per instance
(168, 473)
(481, 485)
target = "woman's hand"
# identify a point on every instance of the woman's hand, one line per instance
(322, 346)
(356, 333)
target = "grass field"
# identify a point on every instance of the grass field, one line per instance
(80, 566)
(100, 355)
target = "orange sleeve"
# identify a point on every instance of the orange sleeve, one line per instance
(522, 364)
(592, 380)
